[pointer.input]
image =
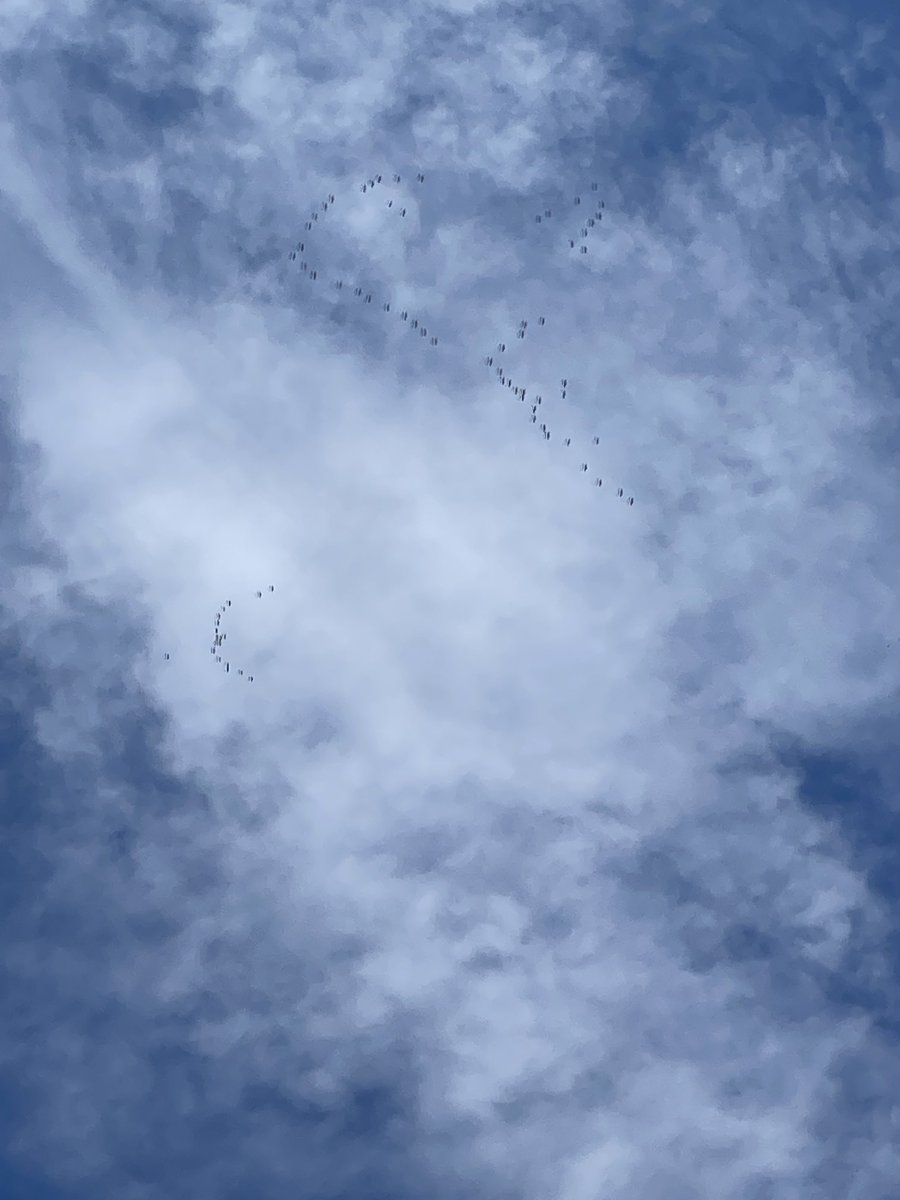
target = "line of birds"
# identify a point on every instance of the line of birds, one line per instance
(220, 637)
(521, 393)
(360, 293)
(578, 241)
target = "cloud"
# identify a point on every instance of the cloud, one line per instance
(497, 878)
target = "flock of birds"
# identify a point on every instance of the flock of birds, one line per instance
(220, 636)
(301, 254)
(578, 241)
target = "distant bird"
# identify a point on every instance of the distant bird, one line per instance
(259, 595)
(596, 441)
(584, 249)
(540, 320)
(584, 466)
(568, 441)
(271, 587)
(420, 178)
(166, 657)
(631, 499)
(396, 179)
(598, 481)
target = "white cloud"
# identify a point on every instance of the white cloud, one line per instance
(499, 786)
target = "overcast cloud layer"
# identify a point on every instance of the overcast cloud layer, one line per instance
(551, 852)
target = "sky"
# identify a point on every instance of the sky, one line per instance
(551, 851)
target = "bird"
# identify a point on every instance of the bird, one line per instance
(584, 466)
(598, 481)
(568, 441)
(596, 441)
(271, 587)
(631, 500)
(540, 320)
(166, 657)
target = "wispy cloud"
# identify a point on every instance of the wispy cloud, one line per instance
(497, 878)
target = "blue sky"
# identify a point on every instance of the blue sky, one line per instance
(552, 850)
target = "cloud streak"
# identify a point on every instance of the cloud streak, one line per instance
(498, 879)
